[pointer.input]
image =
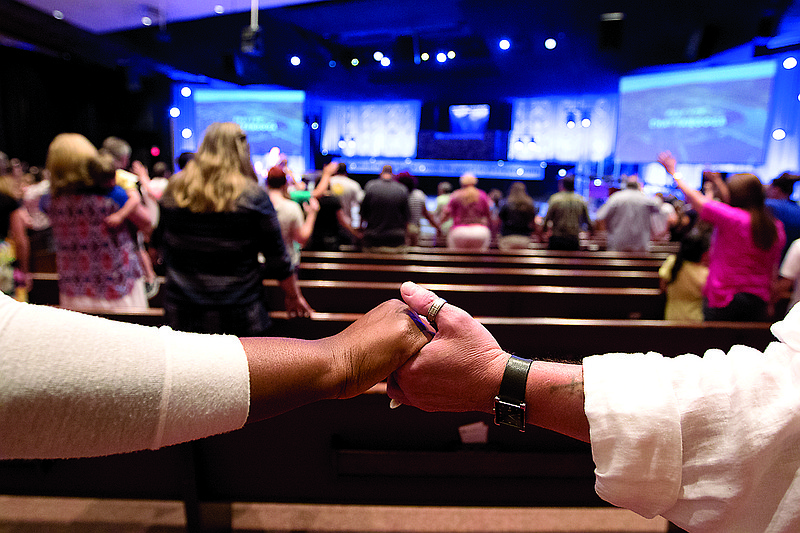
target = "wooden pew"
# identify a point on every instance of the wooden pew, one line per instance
(341, 296)
(486, 300)
(484, 260)
(478, 275)
(358, 451)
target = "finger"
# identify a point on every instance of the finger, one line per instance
(394, 391)
(418, 298)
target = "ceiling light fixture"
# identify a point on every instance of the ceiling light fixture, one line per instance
(504, 44)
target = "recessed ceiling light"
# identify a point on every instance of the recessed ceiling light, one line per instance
(550, 44)
(219, 9)
(504, 44)
(451, 54)
(377, 56)
(147, 21)
(424, 56)
(385, 61)
(58, 14)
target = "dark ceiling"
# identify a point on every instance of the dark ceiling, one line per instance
(589, 57)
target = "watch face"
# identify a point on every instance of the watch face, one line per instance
(509, 414)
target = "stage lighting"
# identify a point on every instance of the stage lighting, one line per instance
(174, 112)
(385, 61)
(252, 41)
(504, 44)
(586, 121)
(424, 56)
(354, 62)
(441, 57)
(570, 120)
(779, 134)
(58, 15)
(451, 54)
(155, 151)
(789, 63)
(295, 61)
(186, 133)
(219, 9)
(377, 56)
(550, 44)
(186, 92)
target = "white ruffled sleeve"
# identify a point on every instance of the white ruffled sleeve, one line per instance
(73, 385)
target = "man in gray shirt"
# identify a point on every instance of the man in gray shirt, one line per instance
(626, 215)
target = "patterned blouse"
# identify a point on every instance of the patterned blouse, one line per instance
(92, 259)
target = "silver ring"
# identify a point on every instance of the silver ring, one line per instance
(433, 310)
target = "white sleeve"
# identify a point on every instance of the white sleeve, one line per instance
(711, 443)
(73, 385)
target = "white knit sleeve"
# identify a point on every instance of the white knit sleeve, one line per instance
(73, 385)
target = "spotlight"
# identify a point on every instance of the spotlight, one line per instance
(424, 56)
(504, 44)
(570, 120)
(58, 15)
(155, 151)
(354, 61)
(586, 122)
(186, 92)
(174, 112)
(550, 43)
(147, 21)
(789, 63)
(186, 133)
(385, 61)
(779, 134)
(332, 63)
(295, 61)
(315, 125)
(441, 57)
(377, 56)
(219, 9)
(562, 172)
(451, 54)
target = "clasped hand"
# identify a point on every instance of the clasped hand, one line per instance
(457, 368)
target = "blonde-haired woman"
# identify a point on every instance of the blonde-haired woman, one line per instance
(470, 209)
(215, 221)
(98, 265)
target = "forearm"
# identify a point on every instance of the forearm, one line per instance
(555, 399)
(304, 232)
(287, 373)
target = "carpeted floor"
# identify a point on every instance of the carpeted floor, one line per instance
(78, 515)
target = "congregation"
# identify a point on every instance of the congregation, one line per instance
(141, 223)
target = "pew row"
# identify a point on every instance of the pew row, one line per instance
(479, 275)
(584, 261)
(486, 300)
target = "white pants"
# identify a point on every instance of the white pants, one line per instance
(472, 237)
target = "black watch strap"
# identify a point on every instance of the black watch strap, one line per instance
(509, 404)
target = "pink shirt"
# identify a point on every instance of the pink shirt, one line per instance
(735, 263)
(475, 213)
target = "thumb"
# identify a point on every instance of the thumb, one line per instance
(418, 298)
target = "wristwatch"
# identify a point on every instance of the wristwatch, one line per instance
(509, 404)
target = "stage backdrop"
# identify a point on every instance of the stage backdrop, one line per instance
(370, 129)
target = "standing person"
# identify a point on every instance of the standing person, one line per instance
(348, 191)
(517, 217)
(470, 209)
(567, 215)
(779, 201)
(745, 248)
(15, 249)
(443, 191)
(296, 229)
(626, 216)
(416, 208)
(683, 278)
(384, 214)
(120, 151)
(98, 264)
(215, 220)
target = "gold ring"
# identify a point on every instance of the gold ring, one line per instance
(433, 310)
